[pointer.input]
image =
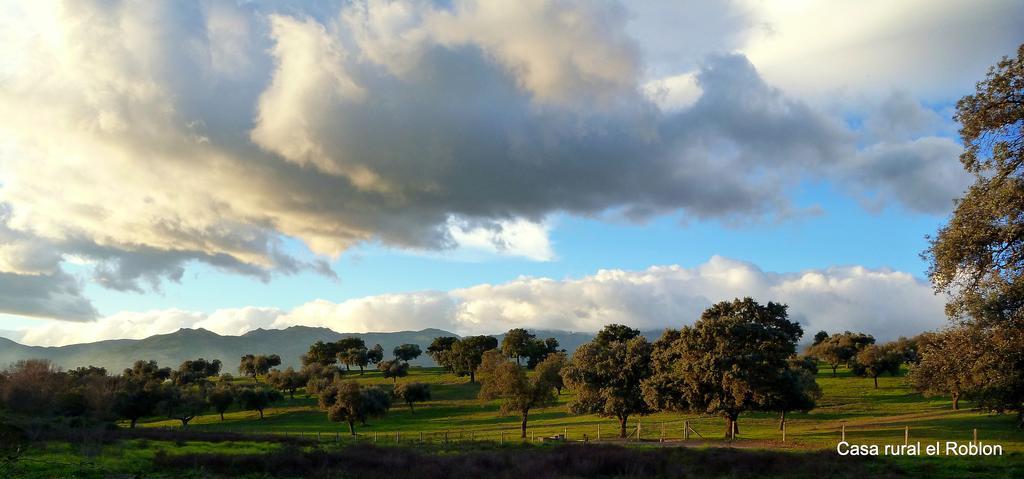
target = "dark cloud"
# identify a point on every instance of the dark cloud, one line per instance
(56, 295)
(216, 132)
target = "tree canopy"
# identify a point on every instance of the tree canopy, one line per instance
(412, 393)
(518, 392)
(977, 259)
(607, 373)
(735, 358)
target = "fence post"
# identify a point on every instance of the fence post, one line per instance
(318, 436)
(906, 435)
(686, 429)
(446, 437)
(783, 431)
(375, 437)
(662, 433)
(565, 433)
(733, 435)
(844, 432)
(638, 430)
(533, 436)
(975, 436)
(502, 440)
(598, 431)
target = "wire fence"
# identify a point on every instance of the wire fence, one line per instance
(701, 429)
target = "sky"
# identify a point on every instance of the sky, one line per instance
(477, 166)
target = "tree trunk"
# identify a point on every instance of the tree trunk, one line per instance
(221, 416)
(876, 381)
(352, 427)
(956, 401)
(472, 376)
(134, 420)
(622, 426)
(523, 426)
(360, 369)
(834, 367)
(782, 420)
(731, 425)
(411, 409)
(261, 414)
(1020, 417)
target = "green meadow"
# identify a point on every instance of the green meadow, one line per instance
(870, 416)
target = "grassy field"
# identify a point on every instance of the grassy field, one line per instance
(875, 416)
(870, 416)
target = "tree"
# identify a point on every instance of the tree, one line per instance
(319, 376)
(538, 349)
(840, 348)
(412, 393)
(135, 398)
(795, 390)
(978, 258)
(819, 337)
(85, 372)
(516, 343)
(873, 361)
(221, 398)
(376, 403)
(288, 380)
(195, 371)
(343, 345)
(182, 403)
(346, 402)
(467, 353)
(375, 354)
(607, 373)
(257, 365)
(440, 351)
(551, 370)
(356, 357)
(147, 371)
(324, 354)
(948, 363)
(394, 369)
(519, 393)
(734, 359)
(31, 387)
(407, 352)
(258, 398)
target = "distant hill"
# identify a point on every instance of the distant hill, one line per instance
(171, 349)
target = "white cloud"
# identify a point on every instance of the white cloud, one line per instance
(517, 237)
(881, 302)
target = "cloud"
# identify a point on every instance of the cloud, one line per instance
(822, 48)
(55, 295)
(218, 132)
(882, 302)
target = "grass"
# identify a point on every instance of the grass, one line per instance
(875, 416)
(870, 416)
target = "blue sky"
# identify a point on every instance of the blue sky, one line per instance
(473, 166)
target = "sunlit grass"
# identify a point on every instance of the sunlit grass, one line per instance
(875, 416)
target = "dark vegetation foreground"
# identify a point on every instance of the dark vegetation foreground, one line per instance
(144, 458)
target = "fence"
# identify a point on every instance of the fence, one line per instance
(701, 429)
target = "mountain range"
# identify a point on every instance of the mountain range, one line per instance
(174, 348)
